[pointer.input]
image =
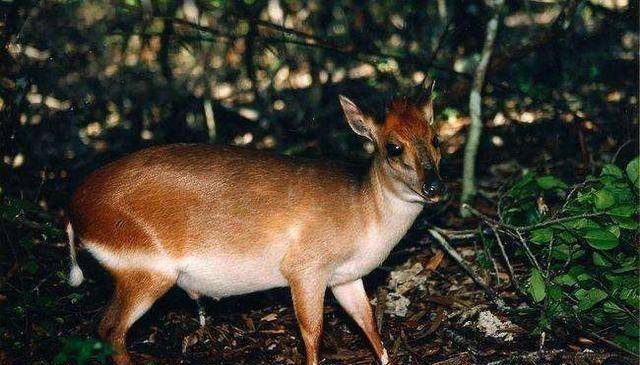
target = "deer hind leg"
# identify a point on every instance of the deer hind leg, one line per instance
(135, 292)
(353, 299)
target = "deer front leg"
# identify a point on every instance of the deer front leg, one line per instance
(308, 299)
(353, 299)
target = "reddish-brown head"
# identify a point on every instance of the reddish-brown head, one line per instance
(407, 146)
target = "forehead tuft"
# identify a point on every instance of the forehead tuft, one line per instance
(406, 119)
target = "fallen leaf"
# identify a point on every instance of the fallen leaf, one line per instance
(435, 261)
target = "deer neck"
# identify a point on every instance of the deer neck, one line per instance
(396, 207)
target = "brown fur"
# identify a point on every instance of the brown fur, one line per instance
(188, 200)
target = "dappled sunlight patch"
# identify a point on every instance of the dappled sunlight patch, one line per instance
(450, 130)
(362, 70)
(15, 161)
(523, 19)
(243, 139)
(56, 104)
(497, 141)
(614, 96)
(268, 142)
(498, 120)
(248, 113)
(612, 4)
(146, 135)
(300, 80)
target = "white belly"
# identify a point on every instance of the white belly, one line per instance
(220, 276)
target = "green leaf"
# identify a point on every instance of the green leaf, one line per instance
(623, 270)
(601, 239)
(577, 270)
(622, 211)
(631, 297)
(626, 261)
(589, 298)
(561, 252)
(522, 187)
(627, 223)
(584, 277)
(554, 292)
(536, 287)
(611, 170)
(600, 260)
(542, 236)
(615, 230)
(611, 307)
(584, 197)
(550, 182)
(604, 199)
(622, 192)
(565, 280)
(628, 343)
(633, 171)
(631, 329)
(566, 236)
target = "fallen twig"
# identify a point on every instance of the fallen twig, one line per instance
(456, 256)
(456, 235)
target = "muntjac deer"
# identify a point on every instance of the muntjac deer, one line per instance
(220, 221)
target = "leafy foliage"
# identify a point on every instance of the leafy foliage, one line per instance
(586, 268)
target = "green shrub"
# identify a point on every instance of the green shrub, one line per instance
(581, 246)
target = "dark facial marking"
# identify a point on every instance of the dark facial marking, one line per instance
(436, 142)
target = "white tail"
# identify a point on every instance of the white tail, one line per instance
(75, 273)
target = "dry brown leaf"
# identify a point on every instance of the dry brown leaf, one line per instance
(435, 261)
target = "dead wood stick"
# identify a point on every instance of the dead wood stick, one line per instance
(456, 235)
(456, 256)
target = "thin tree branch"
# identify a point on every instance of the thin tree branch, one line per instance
(505, 257)
(550, 222)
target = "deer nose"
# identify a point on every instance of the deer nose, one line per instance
(434, 188)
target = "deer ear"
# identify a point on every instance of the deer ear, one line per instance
(361, 123)
(425, 99)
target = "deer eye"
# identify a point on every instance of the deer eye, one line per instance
(393, 150)
(436, 142)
